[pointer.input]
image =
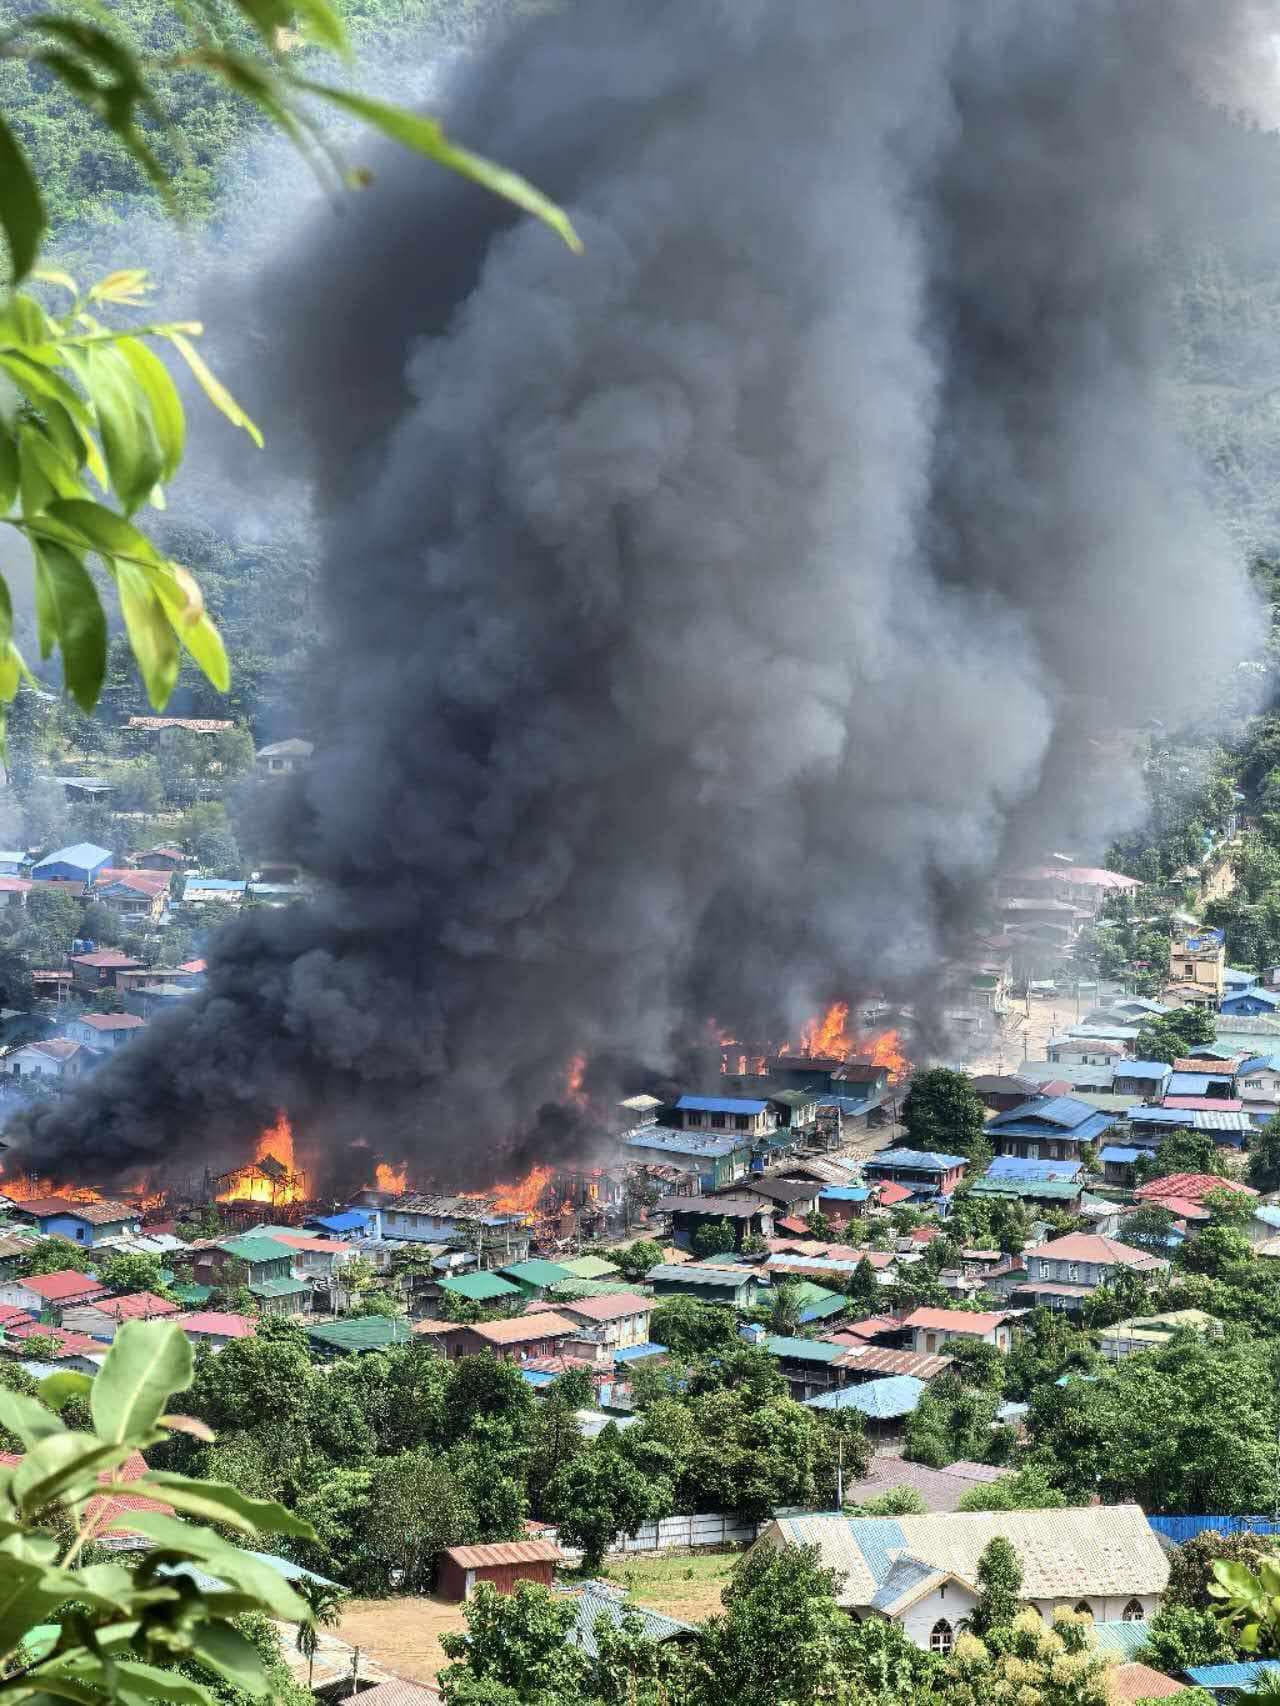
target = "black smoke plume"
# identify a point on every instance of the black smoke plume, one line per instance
(709, 613)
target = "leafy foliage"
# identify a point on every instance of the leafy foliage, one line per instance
(942, 1113)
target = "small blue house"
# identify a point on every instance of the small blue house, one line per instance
(86, 1223)
(1049, 1128)
(923, 1171)
(78, 864)
(1249, 1002)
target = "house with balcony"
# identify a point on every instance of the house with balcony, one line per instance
(711, 1159)
(747, 1214)
(1047, 1129)
(87, 1223)
(932, 1330)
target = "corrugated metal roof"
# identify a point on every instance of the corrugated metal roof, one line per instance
(362, 1333)
(1155, 1069)
(803, 1350)
(883, 1400)
(481, 1286)
(698, 1273)
(1231, 1676)
(721, 1105)
(593, 1601)
(926, 1160)
(504, 1552)
(1044, 1189)
(711, 1147)
(1121, 1638)
(1014, 1167)
(536, 1272)
(843, 1193)
(1119, 1154)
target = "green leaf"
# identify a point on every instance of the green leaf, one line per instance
(8, 471)
(156, 1684)
(43, 474)
(227, 1653)
(1236, 1578)
(23, 1601)
(321, 24)
(167, 418)
(204, 643)
(69, 609)
(63, 1466)
(23, 1416)
(147, 1362)
(129, 440)
(22, 217)
(216, 1501)
(426, 136)
(228, 1563)
(152, 639)
(59, 1389)
(104, 531)
(213, 388)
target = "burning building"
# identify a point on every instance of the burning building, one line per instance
(711, 612)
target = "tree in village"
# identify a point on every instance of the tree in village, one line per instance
(130, 1271)
(598, 1493)
(1214, 1251)
(999, 1590)
(1030, 1662)
(1170, 1035)
(713, 1238)
(51, 1256)
(864, 1287)
(784, 1313)
(817, 1224)
(417, 1506)
(951, 1421)
(1181, 1152)
(1263, 1171)
(516, 1651)
(1148, 1228)
(1026, 1489)
(634, 1262)
(941, 1112)
(688, 1327)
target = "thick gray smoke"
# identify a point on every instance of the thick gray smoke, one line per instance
(711, 612)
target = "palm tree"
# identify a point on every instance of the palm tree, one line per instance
(324, 1600)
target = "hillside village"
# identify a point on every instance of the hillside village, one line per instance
(885, 1318)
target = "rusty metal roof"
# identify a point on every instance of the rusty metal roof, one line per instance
(504, 1552)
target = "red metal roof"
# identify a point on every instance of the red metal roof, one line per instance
(892, 1192)
(1190, 1187)
(878, 1359)
(504, 1552)
(141, 882)
(111, 1021)
(1204, 1104)
(523, 1327)
(69, 1344)
(137, 1306)
(223, 1326)
(967, 1321)
(610, 1307)
(64, 1284)
(104, 957)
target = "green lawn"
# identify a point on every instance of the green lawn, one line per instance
(683, 1584)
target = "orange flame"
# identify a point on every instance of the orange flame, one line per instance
(275, 1143)
(828, 1036)
(24, 1187)
(574, 1073)
(886, 1050)
(389, 1178)
(521, 1196)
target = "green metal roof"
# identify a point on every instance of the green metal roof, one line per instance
(804, 1350)
(535, 1272)
(281, 1287)
(480, 1286)
(251, 1249)
(1043, 1190)
(590, 1267)
(192, 1293)
(362, 1333)
(569, 1289)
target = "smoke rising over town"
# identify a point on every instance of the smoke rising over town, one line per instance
(709, 612)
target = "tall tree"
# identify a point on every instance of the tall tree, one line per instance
(999, 1589)
(941, 1112)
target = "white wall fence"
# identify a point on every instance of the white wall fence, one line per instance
(680, 1534)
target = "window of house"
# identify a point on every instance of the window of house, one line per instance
(741, 1122)
(717, 1122)
(691, 1120)
(1073, 1271)
(1133, 1612)
(1083, 1605)
(941, 1637)
(1044, 1270)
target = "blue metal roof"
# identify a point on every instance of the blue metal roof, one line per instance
(1231, 1676)
(708, 1147)
(348, 1221)
(1013, 1167)
(84, 855)
(1065, 1112)
(1119, 1154)
(537, 1376)
(720, 1105)
(1267, 1213)
(1259, 1063)
(1231, 1003)
(594, 1601)
(898, 1395)
(1084, 1132)
(926, 1159)
(1239, 979)
(1193, 1083)
(1153, 1069)
(844, 1193)
(637, 1353)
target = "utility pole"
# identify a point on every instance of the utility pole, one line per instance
(355, 1672)
(840, 1473)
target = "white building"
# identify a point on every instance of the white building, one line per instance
(921, 1571)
